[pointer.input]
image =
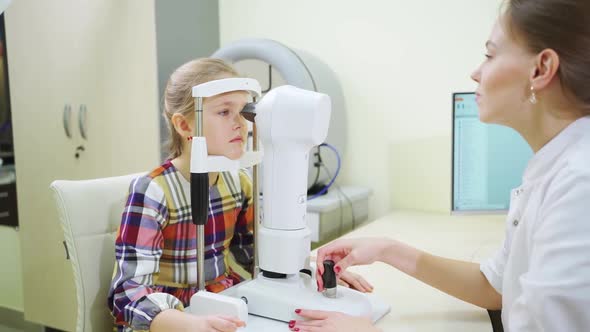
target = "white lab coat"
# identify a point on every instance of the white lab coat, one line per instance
(543, 268)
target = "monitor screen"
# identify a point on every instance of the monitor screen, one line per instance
(488, 160)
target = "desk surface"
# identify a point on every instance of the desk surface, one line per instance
(416, 306)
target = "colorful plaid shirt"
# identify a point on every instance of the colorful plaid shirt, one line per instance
(155, 249)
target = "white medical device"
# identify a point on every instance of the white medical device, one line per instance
(289, 122)
(4, 4)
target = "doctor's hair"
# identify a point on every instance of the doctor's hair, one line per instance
(560, 25)
(178, 96)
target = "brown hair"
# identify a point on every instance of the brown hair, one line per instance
(178, 97)
(563, 26)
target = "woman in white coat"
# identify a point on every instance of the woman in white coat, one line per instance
(536, 80)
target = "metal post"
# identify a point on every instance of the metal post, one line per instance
(256, 201)
(200, 228)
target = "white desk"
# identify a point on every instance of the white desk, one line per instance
(415, 306)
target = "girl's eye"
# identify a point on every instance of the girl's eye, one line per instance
(488, 56)
(223, 113)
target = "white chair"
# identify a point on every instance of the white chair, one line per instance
(90, 213)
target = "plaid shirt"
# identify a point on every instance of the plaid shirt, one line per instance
(155, 249)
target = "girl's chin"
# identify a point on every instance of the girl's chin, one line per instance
(233, 155)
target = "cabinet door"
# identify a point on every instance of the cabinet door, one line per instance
(120, 89)
(100, 53)
(40, 55)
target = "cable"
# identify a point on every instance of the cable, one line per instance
(317, 165)
(340, 192)
(321, 192)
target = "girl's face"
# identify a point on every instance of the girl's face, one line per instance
(504, 80)
(223, 126)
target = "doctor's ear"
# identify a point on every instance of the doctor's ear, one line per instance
(546, 66)
(182, 125)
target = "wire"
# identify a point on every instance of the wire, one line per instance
(340, 192)
(317, 165)
(325, 189)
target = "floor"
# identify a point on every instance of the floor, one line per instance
(13, 321)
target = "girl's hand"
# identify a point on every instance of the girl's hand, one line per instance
(175, 320)
(329, 321)
(218, 323)
(354, 281)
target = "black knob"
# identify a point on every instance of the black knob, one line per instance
(329, 277)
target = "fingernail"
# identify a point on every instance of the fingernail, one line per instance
(296, 329)
(291, 323)
(297, 311)
(337, 269)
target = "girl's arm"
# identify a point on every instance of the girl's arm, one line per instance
(138, 248)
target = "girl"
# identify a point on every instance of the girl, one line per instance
(155, 266)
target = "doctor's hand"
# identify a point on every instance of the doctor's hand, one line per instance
(329, 321)
(349, 252)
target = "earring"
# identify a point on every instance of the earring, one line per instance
(533, 97)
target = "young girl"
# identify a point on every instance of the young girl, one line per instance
(156, 259)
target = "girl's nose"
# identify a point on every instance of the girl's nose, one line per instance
(238, 121)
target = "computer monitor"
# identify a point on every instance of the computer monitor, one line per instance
(488, 160)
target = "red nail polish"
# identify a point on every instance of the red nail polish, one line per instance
(337, 269)
(296, 329)
(291, 324)
(297, 311)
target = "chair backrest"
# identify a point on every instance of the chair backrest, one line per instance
(90, 213)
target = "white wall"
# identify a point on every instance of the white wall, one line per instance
(398, 63)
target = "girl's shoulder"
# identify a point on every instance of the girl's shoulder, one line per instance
(157, 181)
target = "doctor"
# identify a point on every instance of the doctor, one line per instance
(535, 79)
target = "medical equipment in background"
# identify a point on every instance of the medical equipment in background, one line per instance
(290, 122)
(4, 4)
(274, 64)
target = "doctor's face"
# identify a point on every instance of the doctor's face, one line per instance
(503, 77)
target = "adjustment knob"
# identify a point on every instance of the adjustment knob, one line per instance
(329, 278)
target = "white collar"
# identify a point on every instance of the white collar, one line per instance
(546, 157)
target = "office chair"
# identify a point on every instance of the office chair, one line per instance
(90, 213)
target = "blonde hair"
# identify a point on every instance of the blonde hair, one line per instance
(178, 96)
